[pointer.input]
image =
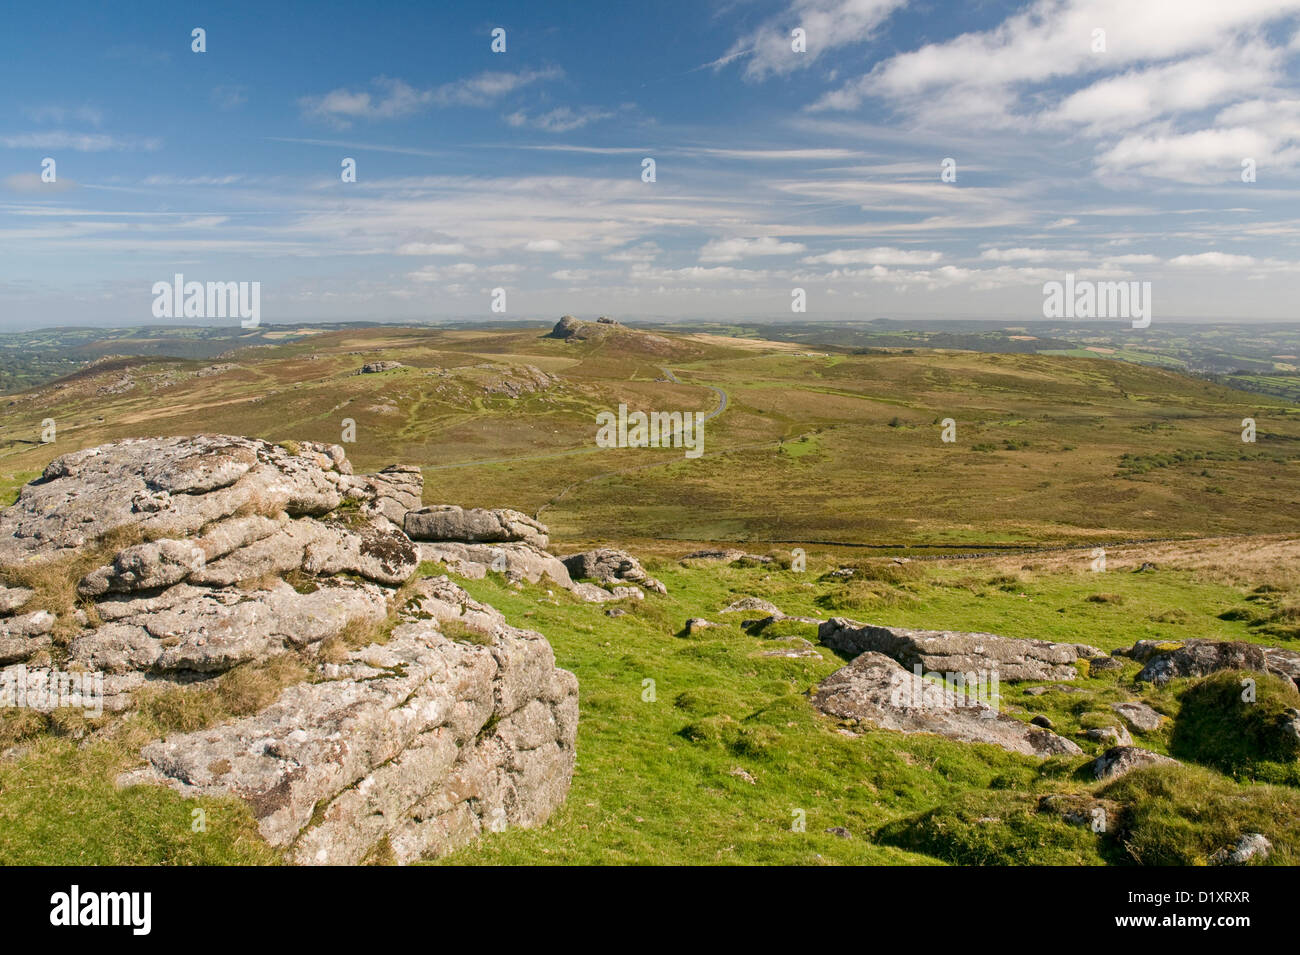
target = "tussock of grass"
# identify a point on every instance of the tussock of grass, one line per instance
(995, 828)
(1247, 740)
(1182, 815)
(59, 804)
(239, 692)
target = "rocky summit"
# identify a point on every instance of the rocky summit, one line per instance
(420, 719)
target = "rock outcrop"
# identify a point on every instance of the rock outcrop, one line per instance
(606, 565)
(446, 522)
(875, 690)
(376, 367)
(1167, 661)
(1118, 760)
(420, 743)
(424, 717)
(958, 652)
(472, 542)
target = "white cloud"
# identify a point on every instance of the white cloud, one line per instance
(431, 248)
(882, 255)
(78, 142)
(229, 97)
(1033, 255)
(1215, 260)
(31, 183)
(827, 24)
(559, 120)
(733, 250)
(1165, 63)
(396, 98)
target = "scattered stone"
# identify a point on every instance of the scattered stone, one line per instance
(741, 773)
(1165, 661)
(1042, 721)
(615, 612)
(956, 651)
(696, 624)
(608, 565)
(12, 598)
(1036, 691)
(1110, 735)
(1252, 845)
(840, 831)
(1119, 760)
(1079, 809)
(875, 689)
(729, 556)
(753, 603)
(1139, 716)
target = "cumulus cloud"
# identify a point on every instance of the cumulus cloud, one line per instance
(1165, 63)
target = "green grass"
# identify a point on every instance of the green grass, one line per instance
(58, 805)
(721, 761)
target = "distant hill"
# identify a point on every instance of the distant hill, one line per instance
(807, 444)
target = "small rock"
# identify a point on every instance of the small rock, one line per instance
(752, 603)
(1042, 721)
(1119, 760)
(1252, 845)
(840, 831)
(1139, 716)
(1111, 735)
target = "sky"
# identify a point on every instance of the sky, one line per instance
(1109, 139)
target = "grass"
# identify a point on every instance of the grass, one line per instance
(719, 758)
(703, 749)
(1075, 448)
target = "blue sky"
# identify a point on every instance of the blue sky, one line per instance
(775, 169)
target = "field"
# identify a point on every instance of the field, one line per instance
(830, 446)
(719, 757)
(710, 763)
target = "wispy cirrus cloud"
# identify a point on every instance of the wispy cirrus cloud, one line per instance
(79, 142)
(395, 98)
(560, 120)
(827, 24)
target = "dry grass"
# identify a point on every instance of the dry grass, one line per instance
(55, 581)
(239, 692)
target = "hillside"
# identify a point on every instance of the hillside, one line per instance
(813, 445)
(726, 713)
